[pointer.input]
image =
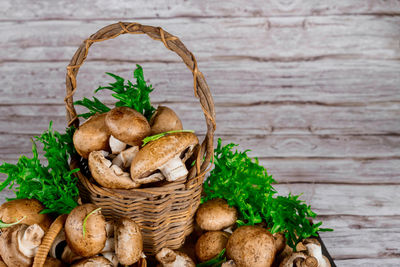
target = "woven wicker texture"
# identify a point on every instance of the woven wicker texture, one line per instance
(165, 213)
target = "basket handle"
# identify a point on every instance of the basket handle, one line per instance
(171, 42)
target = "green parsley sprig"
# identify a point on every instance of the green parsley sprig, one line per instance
(131, 95)
(245, 184)
(53, 184)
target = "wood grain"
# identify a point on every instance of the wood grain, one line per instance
(191, 9)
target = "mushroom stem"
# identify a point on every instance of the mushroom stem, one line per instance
(116, 145)
(174, 169)
(111, 256)
(30, 239)
(314, 250)
(109, 246)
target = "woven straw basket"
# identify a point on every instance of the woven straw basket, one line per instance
(165, 213)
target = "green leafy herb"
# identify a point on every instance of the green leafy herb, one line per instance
(214, 262)
(85, 220)
(131, 95)
(54, 184)
(158, 136)
(5, 225)
(245, 184)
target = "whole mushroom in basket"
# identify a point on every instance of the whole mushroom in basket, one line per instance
(163, 120)
(167, 155)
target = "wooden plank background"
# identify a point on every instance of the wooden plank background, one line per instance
(312, 87)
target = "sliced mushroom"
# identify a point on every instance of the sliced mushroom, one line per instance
(108, 175)
(93, 240)
(314, 250)
(128, 241)
(124, 159)
(127, 125)
(164, 154)
(19, 243)
(163, 120)
(215, 214)
(170, 258)
(92, 135)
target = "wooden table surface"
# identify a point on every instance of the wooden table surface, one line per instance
(312, 87)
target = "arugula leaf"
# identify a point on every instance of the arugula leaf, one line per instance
(245, 184)
(131, 95)
(54, 185)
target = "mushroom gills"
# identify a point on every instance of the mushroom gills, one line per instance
(174, 169)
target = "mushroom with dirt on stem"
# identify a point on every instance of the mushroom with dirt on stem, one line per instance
(251, 246)
(19, 243)
(92, 135)
(163, 120)
(166, 154)
(169, 258)
(85, 230)
(127, 126)
(215, 214)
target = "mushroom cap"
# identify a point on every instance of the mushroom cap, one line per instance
(280, 242)
(251, 246)
(101, 171)
(289, 260)
(210, 244)
(93, 262)
(163, 120)
(157, 153)
(95, 236)
(9, 248)
(128, 241)
(215, 214)
(92, 135)
(127, 125)
(14, 210)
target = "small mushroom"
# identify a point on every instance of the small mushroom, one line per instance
(215, 215)
(167, 154)
(95, 261)
(127, 125)
(163, 120)
(107, 174)
(19, 243)
(124, 159)
(251, 246)
(128, 241)
(170, 258)
(314, 250)
(92, 135)
(210, 244)
(14, 210)
(94, 239)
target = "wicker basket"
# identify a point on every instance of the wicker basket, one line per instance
(164, 213)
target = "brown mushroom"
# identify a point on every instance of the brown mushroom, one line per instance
(280, 242)
(215, 215)
(95, 261)
(14, 210)
(163, 120)
(107, 174)
(92, 135)
(112, 257)
(251, 246)
(124, 158)
(19, 243)
(167, 154)
(52, 262)
(314, 250)
(128, 241)
(170, 258)
(93, 240)
(127, 125)
(210, 244)
(293, 259)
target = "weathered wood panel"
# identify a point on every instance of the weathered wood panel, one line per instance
(262, 39)
(28, 10)
(324, 81)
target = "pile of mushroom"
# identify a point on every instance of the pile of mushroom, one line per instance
(112, 144)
